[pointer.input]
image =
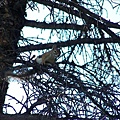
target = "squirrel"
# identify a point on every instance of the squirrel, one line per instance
(48, 57)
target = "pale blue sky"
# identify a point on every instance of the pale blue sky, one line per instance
(14, 87)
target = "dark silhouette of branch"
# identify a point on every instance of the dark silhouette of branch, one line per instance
(44, 25)
(79, 14)
(93, 15)
(38, 102)
(83, 83)
(70, 43)
(26, 117)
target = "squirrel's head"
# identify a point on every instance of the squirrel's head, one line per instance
(56, 51)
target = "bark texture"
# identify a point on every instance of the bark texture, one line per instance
(11, 22)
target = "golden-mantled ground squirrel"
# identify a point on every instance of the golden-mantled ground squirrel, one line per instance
(49, 57)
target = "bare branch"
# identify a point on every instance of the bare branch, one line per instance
(44, 25)
(69, 43)
(79, 14)
(26, 117)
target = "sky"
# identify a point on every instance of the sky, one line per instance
(15, 87)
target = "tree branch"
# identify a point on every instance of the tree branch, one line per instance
(79, 14)
(38, 102)
(52, 25)
(69, 43)
(26, 117)
(93, 15)
(35, 117)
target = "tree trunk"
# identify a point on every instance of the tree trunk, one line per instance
(3, 90)
(11, 22)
